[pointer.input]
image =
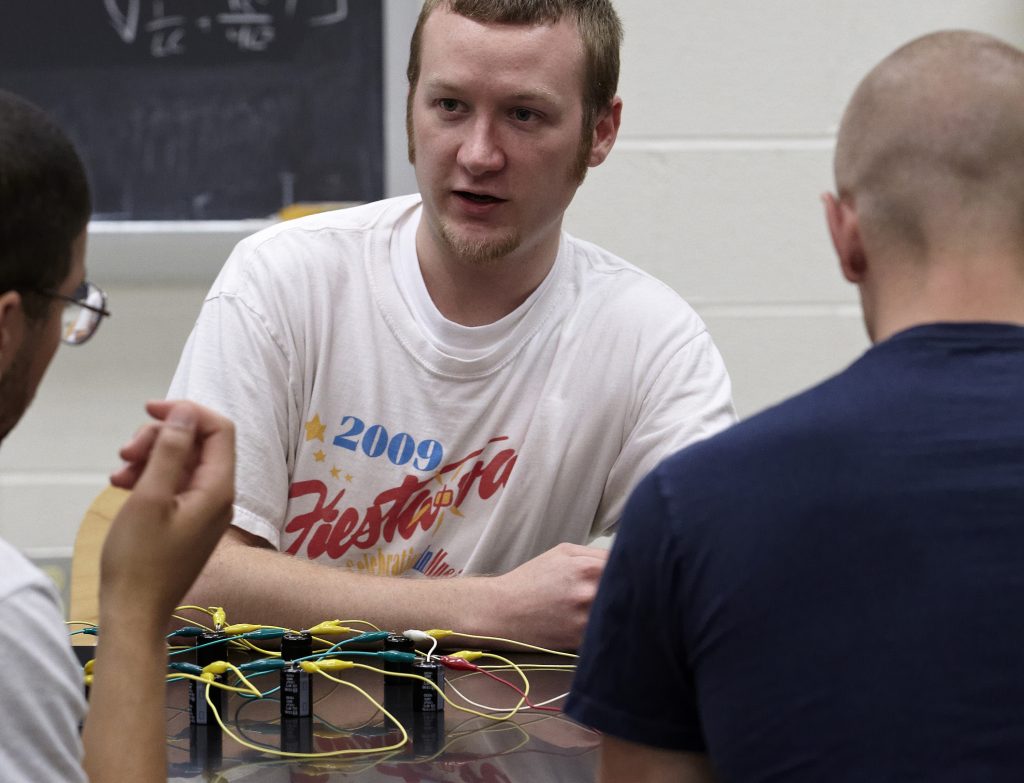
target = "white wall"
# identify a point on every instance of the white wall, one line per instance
(728, 127)
(730, 113)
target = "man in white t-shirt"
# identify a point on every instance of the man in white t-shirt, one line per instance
(447, 384)
(180, 468)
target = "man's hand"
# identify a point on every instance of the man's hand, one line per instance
(181, 471)
(546, 600)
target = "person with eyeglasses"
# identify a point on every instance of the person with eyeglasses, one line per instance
(82, 313)
(181, 466)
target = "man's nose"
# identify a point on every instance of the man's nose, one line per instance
(481, 151)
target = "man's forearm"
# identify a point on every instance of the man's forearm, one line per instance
(124, 734)
(544, 602)
(262, 586)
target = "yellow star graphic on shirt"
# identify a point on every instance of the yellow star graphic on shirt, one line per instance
(315, 429)
(348, 477)
(335, 472)
(319, 455)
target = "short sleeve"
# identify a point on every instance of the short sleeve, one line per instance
(689, 400)
(235, 364)
(41, 692)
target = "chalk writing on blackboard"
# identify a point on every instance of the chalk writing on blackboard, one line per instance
(207, 109)
(169, 27)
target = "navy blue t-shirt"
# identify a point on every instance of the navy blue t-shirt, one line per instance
(833, 590)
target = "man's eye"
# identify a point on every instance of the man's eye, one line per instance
(448, 104)
(523, 115)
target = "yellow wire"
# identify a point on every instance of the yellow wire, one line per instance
(359, 622)
(531, 667)
(440, 692)
(508, 665)
(516, 642)
(242, 678)
(519, 671)
(489, 728)
(202, 609)
(325, 754)
(267, 653)
(523, 741)
(190, 621)
(455, 736)
(212, 683)
(250, 688)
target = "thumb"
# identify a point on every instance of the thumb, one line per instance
(171, 455)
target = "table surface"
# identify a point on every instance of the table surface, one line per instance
(446, 746)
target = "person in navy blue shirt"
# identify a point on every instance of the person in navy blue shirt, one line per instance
(833, 590)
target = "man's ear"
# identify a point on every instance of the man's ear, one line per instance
(844, 226)
(12, 327)
(605, 132)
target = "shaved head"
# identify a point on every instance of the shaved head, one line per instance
(931, 147)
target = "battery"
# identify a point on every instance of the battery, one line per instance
(427, 732)
(296, 692)
(296, 645)
(424, 697)
(398, 701)
(296, 684)
(198, 709)
(398, 642)
(398, 690)
(296, 735)
(206, 747)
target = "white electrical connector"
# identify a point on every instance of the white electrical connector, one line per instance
(422, 636)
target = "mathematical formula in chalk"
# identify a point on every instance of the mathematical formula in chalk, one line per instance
(170, 28)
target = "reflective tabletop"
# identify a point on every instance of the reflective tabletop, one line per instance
(446, 745)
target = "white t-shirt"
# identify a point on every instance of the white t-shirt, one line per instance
(375, 435)
(41, 690)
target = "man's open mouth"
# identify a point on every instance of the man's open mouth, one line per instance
(478, 198)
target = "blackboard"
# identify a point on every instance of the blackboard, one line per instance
(207, 109)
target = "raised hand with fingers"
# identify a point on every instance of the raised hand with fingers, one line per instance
(181, 473)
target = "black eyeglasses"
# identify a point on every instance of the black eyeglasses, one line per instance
(83, 311)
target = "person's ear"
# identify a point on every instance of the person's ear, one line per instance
(605, 132)
(844, 227)
(12, 327)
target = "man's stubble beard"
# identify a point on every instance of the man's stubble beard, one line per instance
(14, 392)
(478, 252)
(485, 252)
